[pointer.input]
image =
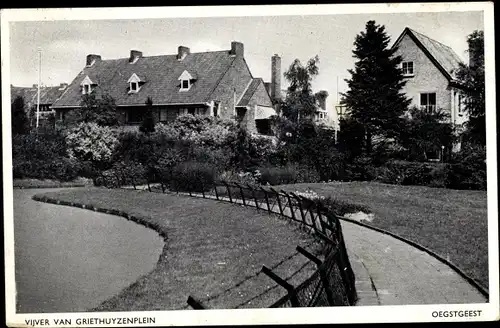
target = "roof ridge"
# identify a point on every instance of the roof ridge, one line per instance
(165, 55)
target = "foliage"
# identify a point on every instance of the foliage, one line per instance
(148, 121)
(193, 176)
(42, 157)
(314, 146)
(426, 133)
(93, 109)
(350, 137)
(374, 98)
(91, 142)
(300, 102)
(472, 78)
(19, 118)
(278, 175)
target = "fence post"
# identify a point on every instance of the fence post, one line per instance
(195, 304)
(267, 200)
(241, 193)
(310, 210)
(202, 188)
(216, 193)
(189, 189)
(290, 289)
(299, 202)
(229, 192)
(323, 273)
(278, 199)
(254, 197)
(290, 205)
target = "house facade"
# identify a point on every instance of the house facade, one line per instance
(48, 96)
(429, 69)
(216, 83)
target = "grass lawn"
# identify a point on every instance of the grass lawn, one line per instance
(36, 183)
(214, 251)
(452, 223)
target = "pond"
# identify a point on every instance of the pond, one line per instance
(70, 260)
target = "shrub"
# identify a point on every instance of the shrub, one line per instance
(91, 142)
(193, 176)
(278, 175)
(360, 169)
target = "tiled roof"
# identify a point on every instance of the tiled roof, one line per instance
(444, 57)
(161, 74)
(48, 95)
(250, 91)
(442, 53)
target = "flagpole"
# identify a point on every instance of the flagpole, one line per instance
(39, 79)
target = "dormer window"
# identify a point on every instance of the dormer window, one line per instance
(87, 85)
(186, 81)
(134, 83)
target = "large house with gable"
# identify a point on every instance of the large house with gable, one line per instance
(429, 68)
(215, 83)
(48, 96)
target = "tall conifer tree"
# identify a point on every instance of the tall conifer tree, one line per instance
(374, 96)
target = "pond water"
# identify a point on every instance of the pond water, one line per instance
(70, 259)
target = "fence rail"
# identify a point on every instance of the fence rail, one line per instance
(332, 283)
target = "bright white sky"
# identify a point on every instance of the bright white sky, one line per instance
(65, 44)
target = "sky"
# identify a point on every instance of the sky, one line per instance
(66, 43)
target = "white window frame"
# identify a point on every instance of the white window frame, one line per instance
(406, 70)
(132, 89)
(87, 89)
(428, 108)
(188, 85)
(134, 79)
(185, 77)
(86, 85)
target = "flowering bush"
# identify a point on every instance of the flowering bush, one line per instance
(309, 194)
(201, 130)
(91, 142)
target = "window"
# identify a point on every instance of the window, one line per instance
(183, 111)
(407, 68)
(134, 83)
(135, 116)
(186, 81)
(87, 88)
(459, 105)
(185, 85)
(133, 87)
(428, 102)
(163, 115)
(87, 85)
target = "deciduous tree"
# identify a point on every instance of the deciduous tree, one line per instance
(473, 80)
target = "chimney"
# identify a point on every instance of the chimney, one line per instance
(321, 96)
(237, 49)
(35, 86)
(182, 52)
(275, 78)
(134, 56)
(63, 86)
(268, 85)
(91, 59)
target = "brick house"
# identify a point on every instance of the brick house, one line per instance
(215, 83)
(48, 96)
(429, 68)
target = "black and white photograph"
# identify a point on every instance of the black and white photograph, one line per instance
(257, 164)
